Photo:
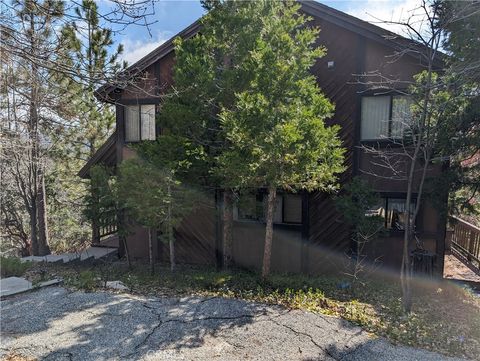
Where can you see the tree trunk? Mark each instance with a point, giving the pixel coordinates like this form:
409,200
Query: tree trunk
95,219
171,241
227,229
33,133
171,244
267,253
123,239
150,251
405,271
43,247
33,227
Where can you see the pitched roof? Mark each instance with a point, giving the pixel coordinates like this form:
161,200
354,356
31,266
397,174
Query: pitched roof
105,154
149,59
312,8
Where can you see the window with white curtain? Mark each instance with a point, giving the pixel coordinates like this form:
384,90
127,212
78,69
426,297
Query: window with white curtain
401,115
384,116
147,116
139,122
375,117
132,124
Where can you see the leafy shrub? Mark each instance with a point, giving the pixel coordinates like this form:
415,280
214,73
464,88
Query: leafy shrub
12,266
87,280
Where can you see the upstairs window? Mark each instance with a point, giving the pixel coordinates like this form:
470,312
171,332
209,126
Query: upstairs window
139,122
384,117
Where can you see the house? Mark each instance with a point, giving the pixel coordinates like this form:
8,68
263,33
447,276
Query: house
309,234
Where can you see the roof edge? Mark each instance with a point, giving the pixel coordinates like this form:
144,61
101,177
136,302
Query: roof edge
104,148
311,7
156,54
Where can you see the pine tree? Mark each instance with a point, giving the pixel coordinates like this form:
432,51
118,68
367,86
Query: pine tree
154,199
34,107
89,45
276,132
207,75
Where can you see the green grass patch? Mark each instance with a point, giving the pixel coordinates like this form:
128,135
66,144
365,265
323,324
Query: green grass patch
11,266
445,317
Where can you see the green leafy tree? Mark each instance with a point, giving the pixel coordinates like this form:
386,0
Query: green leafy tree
356,203
91,62
155,199
207,75
459,22
108,204
276,132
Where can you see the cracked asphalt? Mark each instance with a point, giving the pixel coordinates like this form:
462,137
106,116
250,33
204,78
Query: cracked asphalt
57,324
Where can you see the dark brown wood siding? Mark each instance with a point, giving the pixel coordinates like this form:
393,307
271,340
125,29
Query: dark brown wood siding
327,236
345,49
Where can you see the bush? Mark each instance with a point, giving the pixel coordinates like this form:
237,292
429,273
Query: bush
12,266
87,280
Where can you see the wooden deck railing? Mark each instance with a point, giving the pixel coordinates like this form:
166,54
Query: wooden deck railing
105,226
466,241
108,225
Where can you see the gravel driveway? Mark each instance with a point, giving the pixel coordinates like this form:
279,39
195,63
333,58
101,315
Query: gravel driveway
56,324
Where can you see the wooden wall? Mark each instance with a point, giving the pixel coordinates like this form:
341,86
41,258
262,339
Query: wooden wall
328,237
353,55
345,49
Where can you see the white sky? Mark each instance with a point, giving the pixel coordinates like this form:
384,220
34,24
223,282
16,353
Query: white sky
173,16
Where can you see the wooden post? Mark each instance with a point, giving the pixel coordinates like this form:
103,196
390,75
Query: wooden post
305,232
471,244
150,251
95,233
218,230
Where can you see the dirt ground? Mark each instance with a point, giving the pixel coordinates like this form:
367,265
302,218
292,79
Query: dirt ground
456,270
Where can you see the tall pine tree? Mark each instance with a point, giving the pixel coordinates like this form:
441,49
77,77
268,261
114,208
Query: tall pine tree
207,75
251,56
276,132
94,63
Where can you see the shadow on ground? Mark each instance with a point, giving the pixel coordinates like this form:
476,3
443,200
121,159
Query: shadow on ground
56,323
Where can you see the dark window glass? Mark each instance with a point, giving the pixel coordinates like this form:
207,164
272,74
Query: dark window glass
393,211
253,207
292,208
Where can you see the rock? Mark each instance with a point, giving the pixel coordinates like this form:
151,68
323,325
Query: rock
116,285
14,285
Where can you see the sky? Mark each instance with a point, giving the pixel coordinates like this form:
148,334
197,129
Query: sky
170,17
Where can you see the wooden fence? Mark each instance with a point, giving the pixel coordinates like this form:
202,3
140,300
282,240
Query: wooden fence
106,225
466,241
109,226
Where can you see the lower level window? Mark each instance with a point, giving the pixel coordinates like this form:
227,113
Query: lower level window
253,207
393,211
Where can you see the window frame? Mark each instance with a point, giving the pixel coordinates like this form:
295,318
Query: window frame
139,111
388,138
260,197
384,197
